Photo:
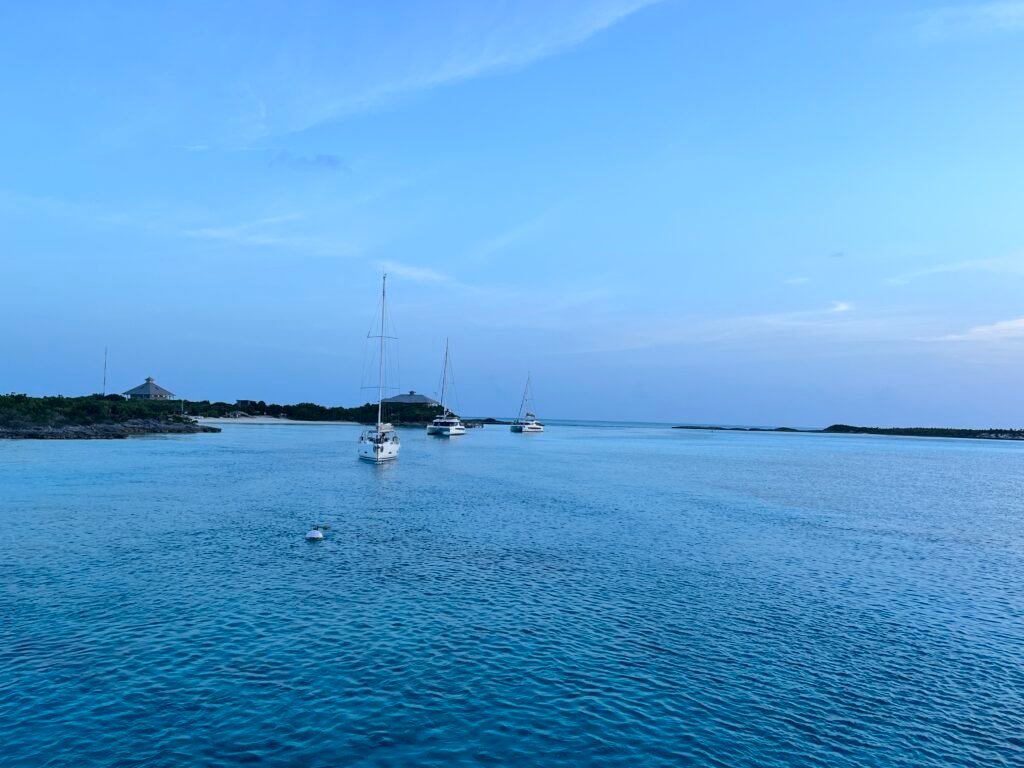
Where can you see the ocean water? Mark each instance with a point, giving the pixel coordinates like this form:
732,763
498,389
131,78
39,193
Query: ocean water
599,596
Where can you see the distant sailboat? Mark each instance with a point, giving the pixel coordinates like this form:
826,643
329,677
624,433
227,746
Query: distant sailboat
447,424
380,443
526,421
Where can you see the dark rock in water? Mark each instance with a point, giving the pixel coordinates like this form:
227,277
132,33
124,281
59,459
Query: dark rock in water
131,428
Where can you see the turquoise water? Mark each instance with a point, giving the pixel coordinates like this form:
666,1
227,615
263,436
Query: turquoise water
591,596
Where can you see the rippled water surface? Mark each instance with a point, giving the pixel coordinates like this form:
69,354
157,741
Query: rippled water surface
590,596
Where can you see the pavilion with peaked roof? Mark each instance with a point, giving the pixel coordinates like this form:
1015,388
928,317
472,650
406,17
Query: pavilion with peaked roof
412,398
149,390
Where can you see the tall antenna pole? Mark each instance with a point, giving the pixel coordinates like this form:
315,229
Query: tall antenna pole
380,372
104,371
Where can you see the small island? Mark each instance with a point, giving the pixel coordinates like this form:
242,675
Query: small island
846,429
97,417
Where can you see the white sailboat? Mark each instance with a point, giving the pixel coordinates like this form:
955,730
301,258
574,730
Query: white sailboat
381,443
526,421
447,424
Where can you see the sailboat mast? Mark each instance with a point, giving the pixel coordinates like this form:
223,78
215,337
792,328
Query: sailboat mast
522,404
444,379
104,371
380,372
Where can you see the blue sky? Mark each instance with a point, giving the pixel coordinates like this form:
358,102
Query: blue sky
788,213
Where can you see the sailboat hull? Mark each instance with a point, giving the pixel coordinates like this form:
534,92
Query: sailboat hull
378,459
379,445
378,454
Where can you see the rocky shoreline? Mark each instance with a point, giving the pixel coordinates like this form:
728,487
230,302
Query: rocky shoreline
130,428
846,429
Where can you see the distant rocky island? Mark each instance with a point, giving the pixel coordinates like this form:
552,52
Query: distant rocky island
846,429
103,431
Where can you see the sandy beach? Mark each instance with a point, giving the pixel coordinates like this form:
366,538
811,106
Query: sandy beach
265,420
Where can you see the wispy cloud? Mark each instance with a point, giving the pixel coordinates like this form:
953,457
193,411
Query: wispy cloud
462,292
1004,330
250,233
508,43
63,210
322,161
838,321
1007,265
266,233
416,274
294,74
798,280
510,237
959,20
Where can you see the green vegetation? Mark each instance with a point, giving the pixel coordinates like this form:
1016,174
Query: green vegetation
18,411
24,411
361,414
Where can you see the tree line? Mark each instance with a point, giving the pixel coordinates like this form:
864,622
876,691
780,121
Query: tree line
22,410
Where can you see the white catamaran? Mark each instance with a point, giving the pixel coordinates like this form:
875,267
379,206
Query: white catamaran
447,424
380,443
526,421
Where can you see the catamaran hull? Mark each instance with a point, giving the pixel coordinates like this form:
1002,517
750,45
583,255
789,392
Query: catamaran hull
446,431
521,428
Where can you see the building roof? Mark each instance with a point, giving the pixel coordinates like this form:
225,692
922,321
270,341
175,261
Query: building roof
151,388
412,398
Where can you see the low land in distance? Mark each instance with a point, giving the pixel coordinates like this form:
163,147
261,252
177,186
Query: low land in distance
846,429
93,417
113,416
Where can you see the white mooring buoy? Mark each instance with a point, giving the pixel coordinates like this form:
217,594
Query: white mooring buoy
315,534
